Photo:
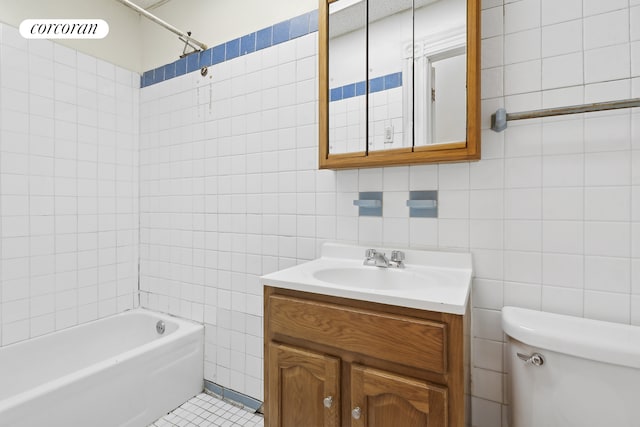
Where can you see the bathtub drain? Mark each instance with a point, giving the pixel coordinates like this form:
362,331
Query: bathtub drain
160,327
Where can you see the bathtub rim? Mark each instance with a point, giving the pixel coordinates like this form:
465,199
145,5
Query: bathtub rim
49,386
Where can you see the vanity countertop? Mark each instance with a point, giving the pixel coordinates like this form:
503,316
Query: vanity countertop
430,280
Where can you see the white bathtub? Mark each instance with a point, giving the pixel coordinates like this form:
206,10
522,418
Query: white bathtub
117,371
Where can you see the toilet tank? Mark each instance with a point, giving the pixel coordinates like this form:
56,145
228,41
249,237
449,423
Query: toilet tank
589,375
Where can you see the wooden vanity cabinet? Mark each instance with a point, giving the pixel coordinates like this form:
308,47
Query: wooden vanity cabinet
333,361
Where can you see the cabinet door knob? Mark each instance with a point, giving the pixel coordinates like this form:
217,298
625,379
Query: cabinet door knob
355,413
328,401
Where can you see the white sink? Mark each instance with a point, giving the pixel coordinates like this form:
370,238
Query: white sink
438,281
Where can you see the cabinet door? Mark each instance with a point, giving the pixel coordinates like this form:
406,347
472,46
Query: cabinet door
304,388
380,398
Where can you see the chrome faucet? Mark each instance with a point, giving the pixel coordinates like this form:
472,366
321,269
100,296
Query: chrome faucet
379,259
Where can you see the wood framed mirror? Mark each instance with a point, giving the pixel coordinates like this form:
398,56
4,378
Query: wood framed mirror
399,82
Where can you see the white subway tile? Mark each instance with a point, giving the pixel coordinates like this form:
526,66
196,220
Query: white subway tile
453,233
563,270
487,384
607,239
567,10
607,63
607,204
563,237
635,310
492,144
423,232
492,52
563,301
606,29
487,174
562,38
635,239
492,82
607,132
486,204
453,204
487,294
635,167
523,203
524,267
562,71
563,203
396,231
523,77
635,276
523,295
523,172
608,274
635,203
592,7
492,22
370,230
396,178
453,176
347,228
523,235
485,413
486,234
395,204
524,140
15,332
488,264
487,325
607,306
611,168
634,19
607,91
522,46
521,15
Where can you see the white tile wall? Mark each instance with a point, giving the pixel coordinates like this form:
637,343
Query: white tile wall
582,185
231,190
68,187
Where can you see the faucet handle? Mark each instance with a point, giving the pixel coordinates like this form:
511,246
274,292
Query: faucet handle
370,253
398,258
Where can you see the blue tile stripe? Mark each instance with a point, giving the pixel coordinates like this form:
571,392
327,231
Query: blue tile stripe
378,84
278,33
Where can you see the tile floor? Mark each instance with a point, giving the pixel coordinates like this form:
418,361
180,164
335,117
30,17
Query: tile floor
205,410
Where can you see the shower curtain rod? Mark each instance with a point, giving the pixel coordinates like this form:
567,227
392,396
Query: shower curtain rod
159,21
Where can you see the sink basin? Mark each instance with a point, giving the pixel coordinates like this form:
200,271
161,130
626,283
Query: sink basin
367,277
438,281
410,279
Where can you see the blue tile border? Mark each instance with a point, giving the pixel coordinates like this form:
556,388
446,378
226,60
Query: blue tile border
377,84
270,36
228,394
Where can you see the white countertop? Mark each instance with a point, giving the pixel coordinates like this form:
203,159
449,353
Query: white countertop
431,280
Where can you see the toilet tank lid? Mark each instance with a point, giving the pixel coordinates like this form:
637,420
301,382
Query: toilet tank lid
606,342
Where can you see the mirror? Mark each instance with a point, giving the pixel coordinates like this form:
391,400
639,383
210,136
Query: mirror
399,82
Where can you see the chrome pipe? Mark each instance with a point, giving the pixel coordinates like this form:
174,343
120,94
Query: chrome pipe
162,23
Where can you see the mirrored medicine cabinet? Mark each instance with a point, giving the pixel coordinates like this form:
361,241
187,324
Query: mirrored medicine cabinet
399,82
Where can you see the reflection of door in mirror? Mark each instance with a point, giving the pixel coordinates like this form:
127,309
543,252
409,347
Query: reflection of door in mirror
448,100
347,76
440,65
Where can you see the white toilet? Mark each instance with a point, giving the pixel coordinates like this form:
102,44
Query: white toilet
571,372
